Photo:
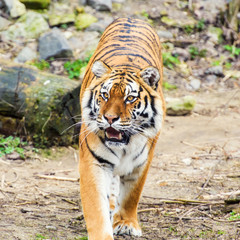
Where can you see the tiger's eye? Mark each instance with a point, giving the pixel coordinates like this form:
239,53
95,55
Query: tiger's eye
130,98
105,95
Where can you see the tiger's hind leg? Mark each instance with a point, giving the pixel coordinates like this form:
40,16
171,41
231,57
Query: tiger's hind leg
125,220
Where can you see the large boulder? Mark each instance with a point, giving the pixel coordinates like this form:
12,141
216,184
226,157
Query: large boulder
41,105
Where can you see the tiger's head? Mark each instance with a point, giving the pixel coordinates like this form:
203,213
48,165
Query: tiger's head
122,103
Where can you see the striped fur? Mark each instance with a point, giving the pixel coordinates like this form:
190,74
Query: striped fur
122,113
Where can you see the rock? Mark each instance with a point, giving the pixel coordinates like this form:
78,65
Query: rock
180,106
154,13
43,104
215,34
14,156
84,43
30,25
55,19
165,34
101,25
215,70
54,44
84,20
182,53
187,161
100,5
179,19
210,80
17,9
8,4
195,84
170,22
209,10
26,54
60,13
52,228
4,23
36,4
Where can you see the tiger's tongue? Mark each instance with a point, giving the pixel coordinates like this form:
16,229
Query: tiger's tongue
113,133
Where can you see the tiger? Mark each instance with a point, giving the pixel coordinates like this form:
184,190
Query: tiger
123,110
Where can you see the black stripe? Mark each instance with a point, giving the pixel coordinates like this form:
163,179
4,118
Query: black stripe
139,153
130,54
98,158
108,147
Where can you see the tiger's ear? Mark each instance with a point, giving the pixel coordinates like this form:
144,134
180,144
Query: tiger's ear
99,68
151,76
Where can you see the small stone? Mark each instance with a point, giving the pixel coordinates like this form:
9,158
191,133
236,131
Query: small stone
187,161
54,44
165,34
215,34
215,70
154,13
182,53
170,22
13,156
26,54
195,84
53,228
18,9
210,79
180,106
101,5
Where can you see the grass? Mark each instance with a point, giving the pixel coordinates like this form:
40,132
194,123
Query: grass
234,216
75,68
168,86
169,61
195,52
235,51
41,65
199,26
10,145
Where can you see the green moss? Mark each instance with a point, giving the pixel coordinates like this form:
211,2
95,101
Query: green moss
36,4
84,20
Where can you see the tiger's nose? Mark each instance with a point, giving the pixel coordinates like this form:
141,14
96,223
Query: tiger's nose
111,118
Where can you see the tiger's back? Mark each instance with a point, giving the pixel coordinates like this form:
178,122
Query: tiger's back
127,43
122,109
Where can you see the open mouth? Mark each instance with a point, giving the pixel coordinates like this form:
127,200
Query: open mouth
112,135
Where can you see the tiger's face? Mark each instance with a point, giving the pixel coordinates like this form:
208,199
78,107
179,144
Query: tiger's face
122,104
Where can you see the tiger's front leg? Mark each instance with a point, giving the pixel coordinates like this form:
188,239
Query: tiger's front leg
125,219
95,182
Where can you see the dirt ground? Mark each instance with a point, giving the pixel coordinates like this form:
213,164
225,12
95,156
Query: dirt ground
195,168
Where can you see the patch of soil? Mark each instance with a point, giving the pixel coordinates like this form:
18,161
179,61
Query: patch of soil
196,166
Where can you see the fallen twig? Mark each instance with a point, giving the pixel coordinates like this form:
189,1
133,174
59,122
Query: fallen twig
58,178
148,210
221,195
211,174
183,201
69,201
194,145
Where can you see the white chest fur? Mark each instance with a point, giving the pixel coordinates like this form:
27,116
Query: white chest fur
134,155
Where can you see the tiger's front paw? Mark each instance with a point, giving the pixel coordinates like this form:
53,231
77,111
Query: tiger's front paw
127,227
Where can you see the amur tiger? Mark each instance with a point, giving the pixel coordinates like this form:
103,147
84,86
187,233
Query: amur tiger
122,109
